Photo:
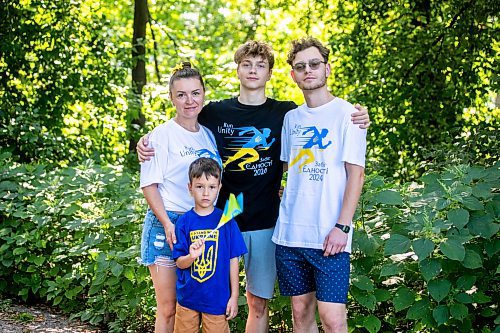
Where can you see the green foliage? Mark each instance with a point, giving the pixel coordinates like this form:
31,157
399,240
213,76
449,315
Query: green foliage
429,260
59,93
70,236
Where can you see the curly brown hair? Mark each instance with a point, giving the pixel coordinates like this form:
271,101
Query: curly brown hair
305,43
254,48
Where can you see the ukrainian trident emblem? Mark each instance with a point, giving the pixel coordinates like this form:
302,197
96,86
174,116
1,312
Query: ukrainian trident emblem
203,267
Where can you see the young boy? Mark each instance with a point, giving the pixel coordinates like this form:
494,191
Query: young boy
207,269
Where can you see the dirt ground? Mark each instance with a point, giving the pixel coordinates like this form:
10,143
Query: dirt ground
19,318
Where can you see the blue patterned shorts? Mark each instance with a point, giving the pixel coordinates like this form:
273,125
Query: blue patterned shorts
302,270
154,245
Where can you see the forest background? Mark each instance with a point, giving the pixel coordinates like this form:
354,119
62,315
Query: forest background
81,81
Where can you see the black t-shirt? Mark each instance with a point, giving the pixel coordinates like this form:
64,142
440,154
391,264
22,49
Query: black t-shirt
248,138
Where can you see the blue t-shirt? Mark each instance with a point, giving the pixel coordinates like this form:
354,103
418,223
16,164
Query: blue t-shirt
205,286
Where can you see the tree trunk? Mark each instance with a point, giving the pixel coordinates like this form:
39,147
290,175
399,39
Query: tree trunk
137,119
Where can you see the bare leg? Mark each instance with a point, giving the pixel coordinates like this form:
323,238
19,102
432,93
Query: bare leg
304,313
258,314
333,317
164,282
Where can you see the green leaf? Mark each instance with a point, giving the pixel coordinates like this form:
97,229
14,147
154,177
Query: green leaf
419,309
390,270
397,244
116,268
458,217
453,249
382,295
472,260
423,247
441,314
430,268
18,251
464,298
439,289
363,298
39,260
482,190
472,203
389,197
403,298
480,297
372,324
465,282
459,311
363,282
483,226
366,243
71,209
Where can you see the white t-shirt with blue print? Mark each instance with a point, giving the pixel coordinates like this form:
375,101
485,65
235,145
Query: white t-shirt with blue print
316,142
175,149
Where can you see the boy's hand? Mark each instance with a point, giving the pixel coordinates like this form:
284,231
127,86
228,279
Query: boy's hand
361,118
232,308
144,153
197,248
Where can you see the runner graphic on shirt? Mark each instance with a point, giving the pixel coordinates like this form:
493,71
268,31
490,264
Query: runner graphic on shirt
249,145
210,154
316,138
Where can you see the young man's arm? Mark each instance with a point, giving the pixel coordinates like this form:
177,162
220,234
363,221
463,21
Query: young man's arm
155,202
144,153
336,240
195,250
232,304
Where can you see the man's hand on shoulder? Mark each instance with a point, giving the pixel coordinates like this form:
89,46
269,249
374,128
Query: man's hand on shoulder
361,117
144,153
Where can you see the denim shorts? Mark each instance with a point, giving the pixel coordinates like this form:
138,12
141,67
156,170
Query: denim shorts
154,245
303,270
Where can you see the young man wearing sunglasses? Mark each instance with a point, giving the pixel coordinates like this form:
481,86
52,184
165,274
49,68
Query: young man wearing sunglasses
247,130
325,157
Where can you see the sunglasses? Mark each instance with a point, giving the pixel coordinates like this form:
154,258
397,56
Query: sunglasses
313,64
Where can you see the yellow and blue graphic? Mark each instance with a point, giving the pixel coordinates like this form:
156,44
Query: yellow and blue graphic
204,266
311,139
247,145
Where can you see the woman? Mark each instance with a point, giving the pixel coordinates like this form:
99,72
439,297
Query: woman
164,179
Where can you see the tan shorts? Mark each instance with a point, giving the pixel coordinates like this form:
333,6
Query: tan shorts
188,321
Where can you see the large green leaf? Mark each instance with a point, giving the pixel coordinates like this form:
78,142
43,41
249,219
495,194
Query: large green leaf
472,259
453,249
423,247
403,298
364,298
483,225
459,311
389,197
390,269
397,244
441,314
439,289
372,324
465,282
418,310
363,282
458,217
430,268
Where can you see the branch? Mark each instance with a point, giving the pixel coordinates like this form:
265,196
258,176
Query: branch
437,40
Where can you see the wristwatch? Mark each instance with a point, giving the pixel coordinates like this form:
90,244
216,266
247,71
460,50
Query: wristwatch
343,227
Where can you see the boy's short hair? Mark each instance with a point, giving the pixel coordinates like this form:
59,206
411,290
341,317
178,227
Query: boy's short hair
305,43
204,166
254,48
